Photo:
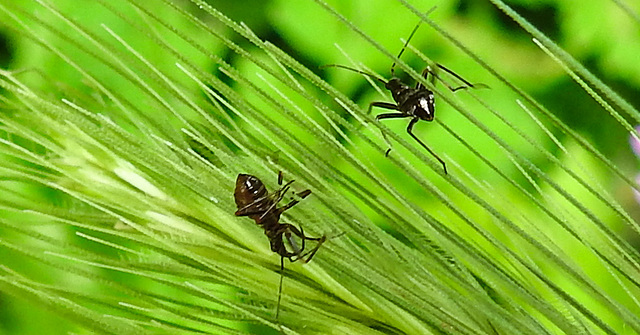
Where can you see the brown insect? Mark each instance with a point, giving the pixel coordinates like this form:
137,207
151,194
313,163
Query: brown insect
253,200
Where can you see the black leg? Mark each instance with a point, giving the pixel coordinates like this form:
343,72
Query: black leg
301,234
453,89
304,194
280,289
381,104
244,211
279,194
389,116
313,251
292,203
285,230
250,208
409,130
425,74
288,229
385,105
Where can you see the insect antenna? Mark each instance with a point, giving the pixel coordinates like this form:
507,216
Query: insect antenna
409,39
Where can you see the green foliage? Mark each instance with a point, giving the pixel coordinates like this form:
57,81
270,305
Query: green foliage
125,123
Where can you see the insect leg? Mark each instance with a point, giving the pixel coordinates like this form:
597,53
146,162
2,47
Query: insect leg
409,130
388,116
320,240
253,207
286,229
312,252
302,195
385,105
391,116
425,74
248,210
453,89
278,195
280,289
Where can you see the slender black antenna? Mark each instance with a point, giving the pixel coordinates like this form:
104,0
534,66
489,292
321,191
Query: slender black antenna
409,39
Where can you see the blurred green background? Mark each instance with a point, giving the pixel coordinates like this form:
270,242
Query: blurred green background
599,34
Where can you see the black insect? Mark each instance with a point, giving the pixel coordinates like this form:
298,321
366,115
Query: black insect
416,103
253,200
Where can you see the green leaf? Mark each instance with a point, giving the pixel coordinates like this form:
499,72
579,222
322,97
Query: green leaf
125,123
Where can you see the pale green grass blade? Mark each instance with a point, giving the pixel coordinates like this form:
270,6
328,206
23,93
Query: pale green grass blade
151,180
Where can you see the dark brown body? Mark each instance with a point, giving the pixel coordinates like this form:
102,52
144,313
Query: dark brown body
253,200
